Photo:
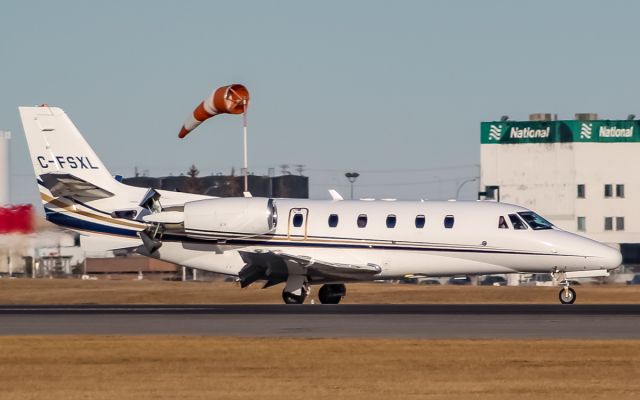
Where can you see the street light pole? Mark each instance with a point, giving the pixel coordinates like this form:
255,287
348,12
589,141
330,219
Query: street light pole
464,183
352,176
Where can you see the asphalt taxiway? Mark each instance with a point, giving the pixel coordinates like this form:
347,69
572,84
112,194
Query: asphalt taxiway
393,321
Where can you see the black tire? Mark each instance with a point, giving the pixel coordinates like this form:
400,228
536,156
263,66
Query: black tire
570,298
332,294
290,298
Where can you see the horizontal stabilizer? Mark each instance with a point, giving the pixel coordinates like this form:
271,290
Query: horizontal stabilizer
68,185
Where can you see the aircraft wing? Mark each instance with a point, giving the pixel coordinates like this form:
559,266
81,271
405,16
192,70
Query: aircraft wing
68,185
275,267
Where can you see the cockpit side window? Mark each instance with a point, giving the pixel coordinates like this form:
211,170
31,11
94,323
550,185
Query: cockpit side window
517,223
502,223
535,221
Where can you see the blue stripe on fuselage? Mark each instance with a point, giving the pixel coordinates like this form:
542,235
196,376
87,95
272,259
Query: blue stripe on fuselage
70,222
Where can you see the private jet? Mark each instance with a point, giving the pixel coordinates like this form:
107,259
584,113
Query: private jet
297,242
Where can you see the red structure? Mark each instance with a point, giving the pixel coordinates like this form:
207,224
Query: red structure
16,219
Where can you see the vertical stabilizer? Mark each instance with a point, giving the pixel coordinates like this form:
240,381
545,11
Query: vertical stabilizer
56,146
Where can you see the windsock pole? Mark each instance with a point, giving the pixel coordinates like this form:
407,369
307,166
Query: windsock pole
230,99
244,144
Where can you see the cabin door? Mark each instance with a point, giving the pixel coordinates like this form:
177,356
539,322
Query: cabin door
298,223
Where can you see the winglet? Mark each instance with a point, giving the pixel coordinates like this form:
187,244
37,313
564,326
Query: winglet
335,195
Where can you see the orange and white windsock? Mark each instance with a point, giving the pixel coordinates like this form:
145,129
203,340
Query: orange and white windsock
232,99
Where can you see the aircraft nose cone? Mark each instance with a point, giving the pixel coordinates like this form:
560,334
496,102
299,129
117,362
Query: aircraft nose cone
609,257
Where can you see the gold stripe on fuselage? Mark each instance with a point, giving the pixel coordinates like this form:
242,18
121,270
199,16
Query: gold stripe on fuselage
73,210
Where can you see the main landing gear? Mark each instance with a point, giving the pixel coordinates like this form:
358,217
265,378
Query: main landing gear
332,293
297,290
293,298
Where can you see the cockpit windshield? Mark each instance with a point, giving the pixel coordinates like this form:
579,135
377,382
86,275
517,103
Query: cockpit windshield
517,223
535,221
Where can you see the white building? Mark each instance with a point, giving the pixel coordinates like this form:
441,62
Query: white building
583,175
51,251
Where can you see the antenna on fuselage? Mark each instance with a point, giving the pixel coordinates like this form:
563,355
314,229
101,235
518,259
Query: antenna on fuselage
335,195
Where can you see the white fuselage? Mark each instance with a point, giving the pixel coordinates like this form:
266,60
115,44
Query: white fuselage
473,245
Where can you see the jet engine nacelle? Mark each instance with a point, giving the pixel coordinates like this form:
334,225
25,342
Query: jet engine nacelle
241,216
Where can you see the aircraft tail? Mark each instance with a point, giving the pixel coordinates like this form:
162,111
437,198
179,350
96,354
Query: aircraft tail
59,151
76,189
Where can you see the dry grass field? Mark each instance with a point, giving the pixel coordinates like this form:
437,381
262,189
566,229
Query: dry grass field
73,291
174,367
161,367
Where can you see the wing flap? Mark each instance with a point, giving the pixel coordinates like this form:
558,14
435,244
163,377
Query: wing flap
322,267
276,266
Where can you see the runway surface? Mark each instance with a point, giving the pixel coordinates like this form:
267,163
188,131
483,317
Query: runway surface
393,321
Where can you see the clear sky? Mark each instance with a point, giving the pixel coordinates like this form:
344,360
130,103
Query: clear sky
393,89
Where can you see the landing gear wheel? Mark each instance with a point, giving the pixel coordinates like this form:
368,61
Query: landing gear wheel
290,298
332,294
567,295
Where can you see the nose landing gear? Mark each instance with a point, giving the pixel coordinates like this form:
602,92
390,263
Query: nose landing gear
567,294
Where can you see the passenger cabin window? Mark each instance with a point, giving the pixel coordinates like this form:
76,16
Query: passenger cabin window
502,223
333,220
448,221
391,221
517,222
298,219
362,220
420,221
